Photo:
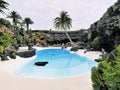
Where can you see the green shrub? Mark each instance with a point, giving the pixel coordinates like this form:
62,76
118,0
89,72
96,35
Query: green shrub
5,22
1,49
20,39
106,75
6,40
112,75
95,43
40,33
33,37
97,78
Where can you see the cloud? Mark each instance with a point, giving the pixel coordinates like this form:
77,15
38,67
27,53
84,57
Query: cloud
42,12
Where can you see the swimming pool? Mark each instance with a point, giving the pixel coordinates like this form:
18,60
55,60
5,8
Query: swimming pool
61,63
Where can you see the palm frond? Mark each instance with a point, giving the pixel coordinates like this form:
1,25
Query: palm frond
63,21
3,5
15,16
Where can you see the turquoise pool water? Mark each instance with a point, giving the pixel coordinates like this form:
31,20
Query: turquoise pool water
61,63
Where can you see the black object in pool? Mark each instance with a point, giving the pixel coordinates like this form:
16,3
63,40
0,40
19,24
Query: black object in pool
41,63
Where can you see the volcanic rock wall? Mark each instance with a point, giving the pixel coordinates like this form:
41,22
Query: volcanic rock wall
59,37
108,28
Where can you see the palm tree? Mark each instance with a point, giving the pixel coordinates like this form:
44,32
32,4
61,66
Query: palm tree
63,22
15,17
28,21
3,5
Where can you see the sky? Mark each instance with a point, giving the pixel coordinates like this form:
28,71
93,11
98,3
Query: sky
43,12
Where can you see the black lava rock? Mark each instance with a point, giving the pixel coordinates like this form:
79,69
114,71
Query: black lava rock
41,63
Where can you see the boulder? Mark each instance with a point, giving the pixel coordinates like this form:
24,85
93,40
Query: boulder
74,48
3,57
13,55
26,54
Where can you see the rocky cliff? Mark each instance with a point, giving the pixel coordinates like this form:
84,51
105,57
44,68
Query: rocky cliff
108,28
59,37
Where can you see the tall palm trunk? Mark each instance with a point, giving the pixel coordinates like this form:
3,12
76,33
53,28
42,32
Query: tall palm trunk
68,37
27,27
